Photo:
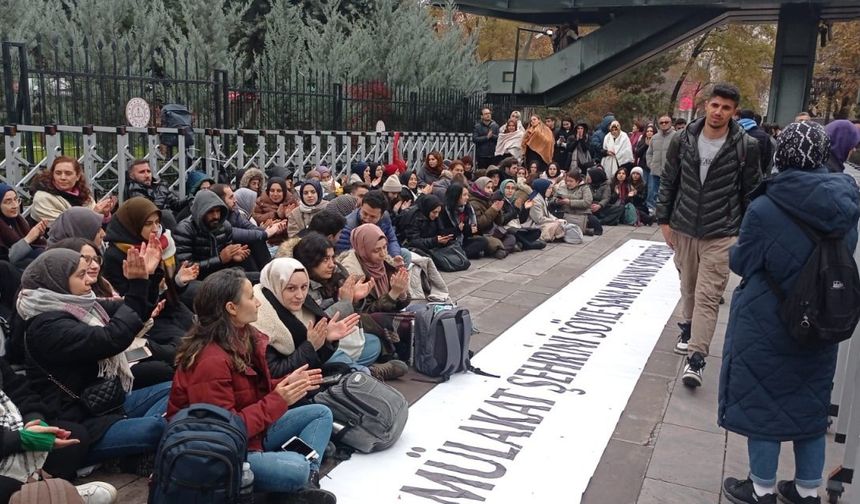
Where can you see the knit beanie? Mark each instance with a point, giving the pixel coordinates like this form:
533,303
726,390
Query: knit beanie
392,184
638,169
803,146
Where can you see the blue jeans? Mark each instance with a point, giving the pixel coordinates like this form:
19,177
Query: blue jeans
370,352
140,431
808,461
653,189
282,471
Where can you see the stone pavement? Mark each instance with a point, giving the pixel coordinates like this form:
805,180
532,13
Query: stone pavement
666,447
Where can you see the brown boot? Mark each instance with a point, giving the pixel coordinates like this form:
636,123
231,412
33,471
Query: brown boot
391,370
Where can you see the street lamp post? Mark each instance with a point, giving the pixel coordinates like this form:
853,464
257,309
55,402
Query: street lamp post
547,32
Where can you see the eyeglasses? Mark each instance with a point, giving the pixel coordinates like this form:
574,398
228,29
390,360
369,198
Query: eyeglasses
664,122
92,259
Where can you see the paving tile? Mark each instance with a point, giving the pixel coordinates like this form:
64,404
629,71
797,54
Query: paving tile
463,286
496,289
499,317
474,304
537,266
532,286
559,276
662,492
688,457
697,408
621,462
663,363
526,299
644,410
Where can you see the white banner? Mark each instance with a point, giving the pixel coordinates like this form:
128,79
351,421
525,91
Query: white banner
536,434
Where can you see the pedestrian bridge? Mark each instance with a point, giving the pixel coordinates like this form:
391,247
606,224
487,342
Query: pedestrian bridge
633,31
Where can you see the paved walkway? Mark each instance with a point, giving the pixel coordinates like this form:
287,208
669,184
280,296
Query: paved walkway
666,448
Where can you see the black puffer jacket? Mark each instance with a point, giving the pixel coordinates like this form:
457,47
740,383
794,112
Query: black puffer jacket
197,243
157,193
713,209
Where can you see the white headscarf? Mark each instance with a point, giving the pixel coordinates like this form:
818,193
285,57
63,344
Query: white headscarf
276,275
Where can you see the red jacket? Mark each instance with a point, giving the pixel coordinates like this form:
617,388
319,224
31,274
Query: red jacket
213,380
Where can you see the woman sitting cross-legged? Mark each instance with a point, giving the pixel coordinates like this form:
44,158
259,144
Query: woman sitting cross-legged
75,350
222,361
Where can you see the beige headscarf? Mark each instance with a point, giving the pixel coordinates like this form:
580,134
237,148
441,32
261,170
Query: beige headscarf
275,277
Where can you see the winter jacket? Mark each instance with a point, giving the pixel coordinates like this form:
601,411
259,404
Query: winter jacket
485,213
656,155
70,350
353,220
249,394
196,242
640,154
48,204
597,137
600,190
157,193
580,198
373,303
771,387
420,232
243,230
765,148
251,173
713,209
271,322
485,147
266,210
298,221
578,151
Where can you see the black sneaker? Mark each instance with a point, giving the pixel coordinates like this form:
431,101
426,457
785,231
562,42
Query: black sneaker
692,376
742,492
683,339
787,491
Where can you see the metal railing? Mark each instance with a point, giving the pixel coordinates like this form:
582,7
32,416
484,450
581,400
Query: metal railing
105,153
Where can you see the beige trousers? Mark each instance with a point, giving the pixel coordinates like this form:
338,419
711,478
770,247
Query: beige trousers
703,265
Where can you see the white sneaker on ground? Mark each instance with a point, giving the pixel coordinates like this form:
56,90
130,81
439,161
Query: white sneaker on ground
97,492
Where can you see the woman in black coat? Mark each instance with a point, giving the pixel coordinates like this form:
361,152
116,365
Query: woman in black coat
460,220
136,222
75,341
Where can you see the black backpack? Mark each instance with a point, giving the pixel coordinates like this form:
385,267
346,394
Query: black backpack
200,457
823,305
175,115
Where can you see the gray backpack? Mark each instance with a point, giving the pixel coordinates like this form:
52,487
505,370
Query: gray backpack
441,340
369,415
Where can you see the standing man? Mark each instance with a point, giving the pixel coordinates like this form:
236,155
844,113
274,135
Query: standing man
485,136
711,168
750,122
657,157
680,124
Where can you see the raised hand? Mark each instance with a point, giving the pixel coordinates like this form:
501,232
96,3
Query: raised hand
346,292
151,252
134,266
293,392
188,272
339,329
399,284
36,231
317,333
157,310
276,228
362,289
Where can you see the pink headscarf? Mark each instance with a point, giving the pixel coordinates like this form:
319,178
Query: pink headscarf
364,239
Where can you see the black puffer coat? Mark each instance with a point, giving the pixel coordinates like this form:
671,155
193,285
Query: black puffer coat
713,209
157,193
197,243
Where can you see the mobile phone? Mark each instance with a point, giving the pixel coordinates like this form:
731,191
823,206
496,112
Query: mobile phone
138,354
295,444
331,379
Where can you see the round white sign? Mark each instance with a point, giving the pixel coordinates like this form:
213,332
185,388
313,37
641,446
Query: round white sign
137,113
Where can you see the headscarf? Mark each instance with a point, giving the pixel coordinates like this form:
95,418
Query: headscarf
289,196
277,273
428,203
132,215
358,169
78,222
13,229
502,187
541,140
479,185
304,207
245,200
194,179
844,136
803,146
363,240
45,288
540,186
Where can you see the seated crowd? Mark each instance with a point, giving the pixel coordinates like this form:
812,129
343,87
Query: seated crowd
243,297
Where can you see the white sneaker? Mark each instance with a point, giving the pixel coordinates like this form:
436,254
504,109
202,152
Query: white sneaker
97,492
